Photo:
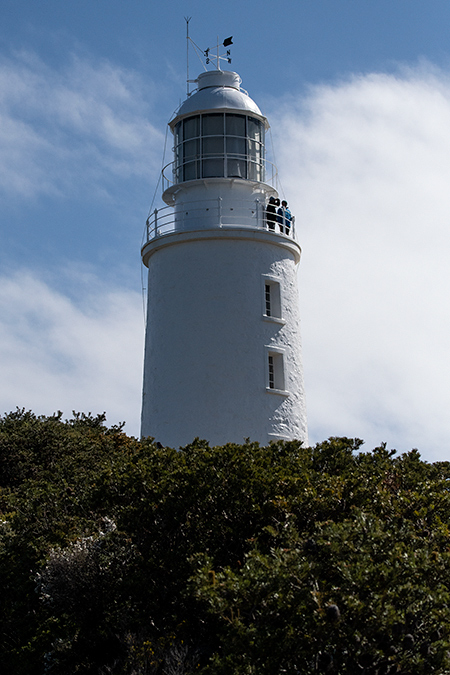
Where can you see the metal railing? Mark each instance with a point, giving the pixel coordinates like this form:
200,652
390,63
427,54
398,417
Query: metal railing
211,214
264,167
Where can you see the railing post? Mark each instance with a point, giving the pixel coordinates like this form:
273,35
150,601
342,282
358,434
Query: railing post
155,212
219,199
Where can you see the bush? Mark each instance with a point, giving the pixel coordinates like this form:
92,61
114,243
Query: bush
119,556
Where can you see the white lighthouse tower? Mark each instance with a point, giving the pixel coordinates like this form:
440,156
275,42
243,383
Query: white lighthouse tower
222,351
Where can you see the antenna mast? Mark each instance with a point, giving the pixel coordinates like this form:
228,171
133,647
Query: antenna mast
187,19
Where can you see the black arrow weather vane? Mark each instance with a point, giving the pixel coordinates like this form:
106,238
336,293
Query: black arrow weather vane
226,43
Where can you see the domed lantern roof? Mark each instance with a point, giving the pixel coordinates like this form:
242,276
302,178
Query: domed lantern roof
219,133
218,90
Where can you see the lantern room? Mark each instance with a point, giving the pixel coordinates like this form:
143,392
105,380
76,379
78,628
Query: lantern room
219,132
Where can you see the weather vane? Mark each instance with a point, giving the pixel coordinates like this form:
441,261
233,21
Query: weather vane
218,58
207,53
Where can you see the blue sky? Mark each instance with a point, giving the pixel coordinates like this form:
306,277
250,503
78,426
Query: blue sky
358,96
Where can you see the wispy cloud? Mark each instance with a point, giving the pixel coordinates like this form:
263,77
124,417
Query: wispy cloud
60,353
366,165
73,129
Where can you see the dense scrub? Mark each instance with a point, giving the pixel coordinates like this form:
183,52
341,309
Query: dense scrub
119,556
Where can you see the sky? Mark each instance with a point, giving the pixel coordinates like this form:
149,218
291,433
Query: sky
357,93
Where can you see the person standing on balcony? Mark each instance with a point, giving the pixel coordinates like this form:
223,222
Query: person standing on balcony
271,214
284,217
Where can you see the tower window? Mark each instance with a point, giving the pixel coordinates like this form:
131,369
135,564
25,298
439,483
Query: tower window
268,300
272,298
275,370
271,373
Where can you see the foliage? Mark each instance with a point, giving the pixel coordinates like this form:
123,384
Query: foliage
119,556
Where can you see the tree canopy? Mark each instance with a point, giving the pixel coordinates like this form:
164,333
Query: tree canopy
121,556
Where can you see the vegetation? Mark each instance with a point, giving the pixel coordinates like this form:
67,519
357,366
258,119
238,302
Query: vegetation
119,556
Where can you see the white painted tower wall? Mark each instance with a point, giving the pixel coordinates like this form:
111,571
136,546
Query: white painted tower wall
209,342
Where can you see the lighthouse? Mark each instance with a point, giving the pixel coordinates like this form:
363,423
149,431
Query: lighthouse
222,349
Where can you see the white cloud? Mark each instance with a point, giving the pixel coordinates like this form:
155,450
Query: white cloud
57,353
366,167
72,129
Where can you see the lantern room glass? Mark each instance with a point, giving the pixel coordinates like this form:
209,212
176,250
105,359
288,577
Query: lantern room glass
218,145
